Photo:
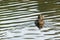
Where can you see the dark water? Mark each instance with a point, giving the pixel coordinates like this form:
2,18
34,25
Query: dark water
17,20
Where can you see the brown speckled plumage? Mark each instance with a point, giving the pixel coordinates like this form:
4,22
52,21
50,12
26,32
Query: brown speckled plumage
40,21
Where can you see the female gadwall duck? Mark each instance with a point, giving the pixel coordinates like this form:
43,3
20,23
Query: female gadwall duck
40,21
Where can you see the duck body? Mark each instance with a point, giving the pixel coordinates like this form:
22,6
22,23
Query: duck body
40,22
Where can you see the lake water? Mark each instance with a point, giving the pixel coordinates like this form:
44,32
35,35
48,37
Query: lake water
17,20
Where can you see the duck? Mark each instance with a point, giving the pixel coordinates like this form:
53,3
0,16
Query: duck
40,21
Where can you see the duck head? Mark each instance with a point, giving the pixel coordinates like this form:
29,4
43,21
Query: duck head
40,17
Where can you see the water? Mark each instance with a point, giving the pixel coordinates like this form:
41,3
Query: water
17,20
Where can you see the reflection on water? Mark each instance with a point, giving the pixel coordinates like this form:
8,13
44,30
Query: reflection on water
17,20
